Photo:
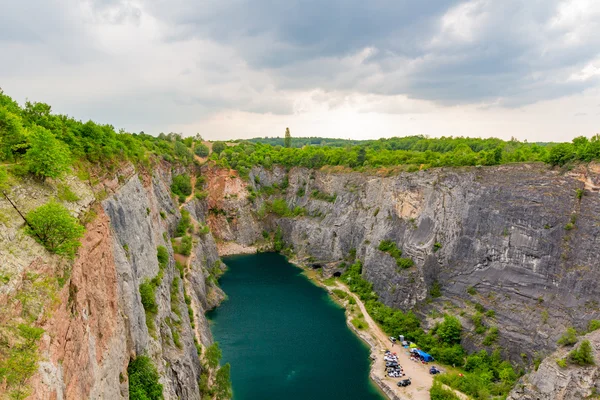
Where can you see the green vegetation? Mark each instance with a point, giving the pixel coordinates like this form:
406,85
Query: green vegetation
561,362
185,223
47,156
491,337
218,147
437,392
18,361
213,355
181,186
392,249
471,290
593,325
436,246
223,382
583,355
53,226
143,380
484,374
148,289
436,290
46,143
278,242
316,194
201,150
64,193
569,338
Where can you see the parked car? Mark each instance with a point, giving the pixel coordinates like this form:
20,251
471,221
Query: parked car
404,382
392,339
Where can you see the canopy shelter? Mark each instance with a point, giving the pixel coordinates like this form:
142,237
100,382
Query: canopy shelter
424,356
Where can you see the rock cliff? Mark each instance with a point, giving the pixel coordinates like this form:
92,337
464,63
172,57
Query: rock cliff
519,240
99,322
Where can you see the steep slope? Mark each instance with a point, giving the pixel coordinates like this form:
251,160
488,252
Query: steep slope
97,323
520,240
553,382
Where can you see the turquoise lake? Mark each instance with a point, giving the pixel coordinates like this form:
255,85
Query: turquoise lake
284,337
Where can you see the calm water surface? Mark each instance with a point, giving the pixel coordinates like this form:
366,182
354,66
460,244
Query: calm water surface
284,337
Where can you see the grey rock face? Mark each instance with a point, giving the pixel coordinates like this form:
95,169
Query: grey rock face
518,237
552,382
139,228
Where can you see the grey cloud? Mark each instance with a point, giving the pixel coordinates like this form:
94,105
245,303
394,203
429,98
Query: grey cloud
516,55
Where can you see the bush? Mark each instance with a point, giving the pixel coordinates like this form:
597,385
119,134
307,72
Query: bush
583,355
491,337
143,380
593,325
569,338
437,392
561,362
201,150
182,185
184,223
53,226
450,330
218,147
436,290
162,254
392,249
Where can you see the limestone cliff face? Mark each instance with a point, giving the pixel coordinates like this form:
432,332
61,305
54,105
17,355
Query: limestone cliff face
552,382
101,322
516,239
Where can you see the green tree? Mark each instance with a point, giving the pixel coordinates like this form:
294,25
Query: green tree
47,157
213,355
450,330
288,138
583,355
218,147
143,380
201,150
53,226
223,382
12,139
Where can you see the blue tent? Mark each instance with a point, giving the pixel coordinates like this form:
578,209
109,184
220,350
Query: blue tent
426,357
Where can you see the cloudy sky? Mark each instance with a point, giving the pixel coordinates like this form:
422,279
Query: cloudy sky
335,68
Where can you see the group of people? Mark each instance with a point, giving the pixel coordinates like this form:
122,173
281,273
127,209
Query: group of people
392,367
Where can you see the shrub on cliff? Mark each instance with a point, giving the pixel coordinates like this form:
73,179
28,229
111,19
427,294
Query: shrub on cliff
583,355
201,150
182,186
143,380
450,330
569,338
53,226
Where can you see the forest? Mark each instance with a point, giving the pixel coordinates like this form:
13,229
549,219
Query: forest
46,144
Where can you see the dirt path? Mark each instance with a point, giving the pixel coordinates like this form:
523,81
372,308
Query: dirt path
417,372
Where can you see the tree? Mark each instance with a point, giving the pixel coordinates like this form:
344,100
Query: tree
47,157
218,147
143,380
223,382
583,355
362,156
288,138
53,226
201,150
213,355
450,330
12,139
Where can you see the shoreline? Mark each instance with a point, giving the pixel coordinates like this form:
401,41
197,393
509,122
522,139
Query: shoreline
366,336
372,336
